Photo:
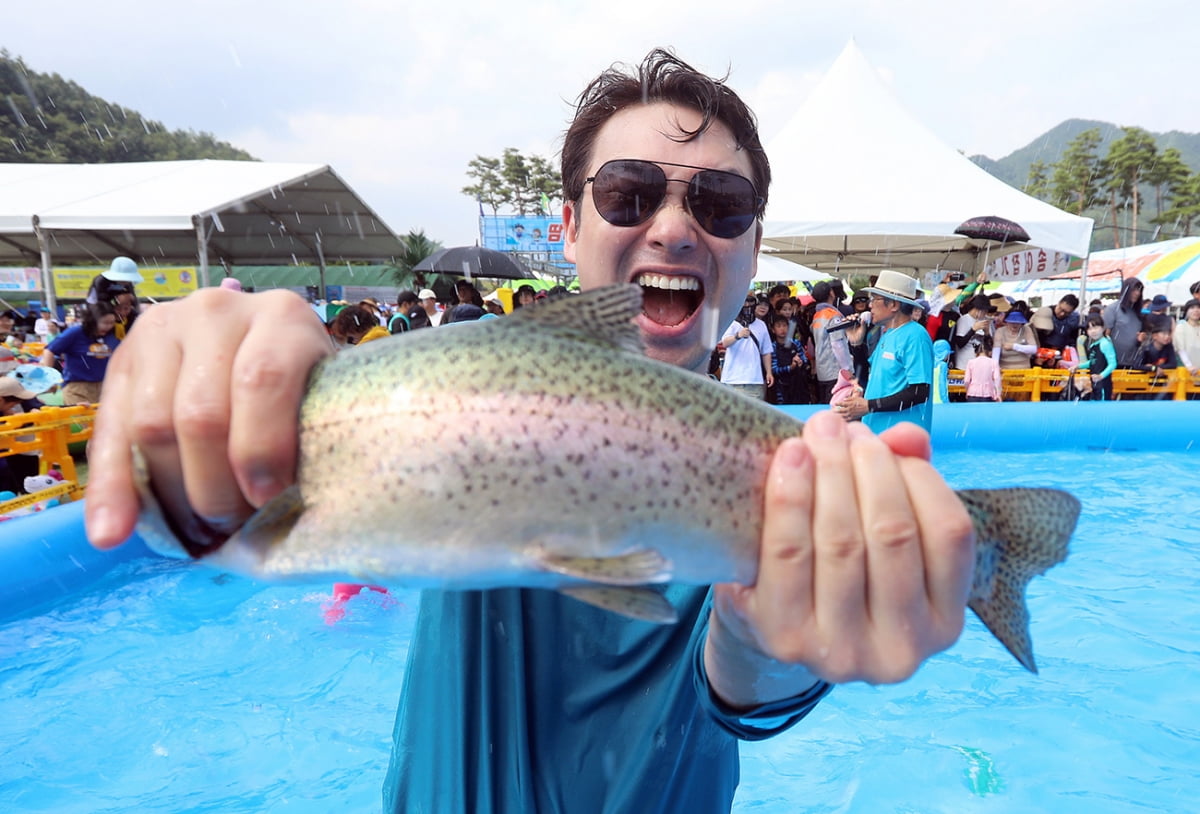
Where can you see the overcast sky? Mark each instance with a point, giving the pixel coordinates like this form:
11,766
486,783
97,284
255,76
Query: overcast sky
398,96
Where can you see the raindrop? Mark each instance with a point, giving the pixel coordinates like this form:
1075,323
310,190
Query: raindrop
12,105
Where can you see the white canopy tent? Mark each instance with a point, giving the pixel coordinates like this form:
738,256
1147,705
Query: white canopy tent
773,269
860,185
163,212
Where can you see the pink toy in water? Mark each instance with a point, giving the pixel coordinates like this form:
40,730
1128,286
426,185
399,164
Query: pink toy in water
343,592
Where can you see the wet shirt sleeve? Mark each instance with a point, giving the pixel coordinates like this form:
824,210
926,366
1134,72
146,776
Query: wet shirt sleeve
760,723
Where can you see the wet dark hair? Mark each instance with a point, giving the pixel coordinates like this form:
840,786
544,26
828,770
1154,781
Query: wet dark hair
353,319
92,314
983,343
407,296
1071,300
1094,319
661,77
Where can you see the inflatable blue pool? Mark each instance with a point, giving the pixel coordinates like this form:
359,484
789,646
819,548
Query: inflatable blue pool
46,556
218,693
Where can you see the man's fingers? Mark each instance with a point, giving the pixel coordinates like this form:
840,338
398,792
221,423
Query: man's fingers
269,377
111,507
838,545
785,572
200,419
896,593
948,537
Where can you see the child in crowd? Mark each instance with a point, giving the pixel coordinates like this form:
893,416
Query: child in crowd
982,374
789,365
1158,353
1099,360
941,372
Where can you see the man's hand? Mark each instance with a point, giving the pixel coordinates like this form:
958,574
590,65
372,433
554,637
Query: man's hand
864,571
209,388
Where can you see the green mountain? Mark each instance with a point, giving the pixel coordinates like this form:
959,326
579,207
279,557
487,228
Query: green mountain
45,118
1047,148
1013,169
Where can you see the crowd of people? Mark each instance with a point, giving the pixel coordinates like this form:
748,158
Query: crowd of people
809,349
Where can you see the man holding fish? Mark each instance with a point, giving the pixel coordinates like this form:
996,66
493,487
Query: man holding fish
519,699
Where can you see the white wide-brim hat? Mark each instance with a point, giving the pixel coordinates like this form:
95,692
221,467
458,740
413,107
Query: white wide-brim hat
895,285
123,270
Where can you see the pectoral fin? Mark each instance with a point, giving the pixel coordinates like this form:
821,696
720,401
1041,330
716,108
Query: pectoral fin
645,604
639,567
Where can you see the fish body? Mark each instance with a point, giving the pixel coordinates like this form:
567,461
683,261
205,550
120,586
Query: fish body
545,450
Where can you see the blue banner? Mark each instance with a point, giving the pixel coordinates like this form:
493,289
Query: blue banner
536,239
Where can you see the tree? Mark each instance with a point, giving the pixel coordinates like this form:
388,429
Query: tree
514,181
1075,184
489,186
1037,183
1167,175
416,248
1185,205
50,119
1129,159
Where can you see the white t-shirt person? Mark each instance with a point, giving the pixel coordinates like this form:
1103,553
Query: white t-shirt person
744,358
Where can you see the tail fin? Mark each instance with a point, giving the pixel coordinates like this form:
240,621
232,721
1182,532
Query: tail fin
1019,534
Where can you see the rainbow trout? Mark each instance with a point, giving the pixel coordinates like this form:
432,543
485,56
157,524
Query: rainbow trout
543,449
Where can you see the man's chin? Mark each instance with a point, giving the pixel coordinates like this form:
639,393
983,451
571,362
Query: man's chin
680,348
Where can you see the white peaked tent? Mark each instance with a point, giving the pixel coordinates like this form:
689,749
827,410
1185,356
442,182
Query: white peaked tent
859,185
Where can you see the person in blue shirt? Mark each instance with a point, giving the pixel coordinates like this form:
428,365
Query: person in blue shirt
83,350
901,364
519,700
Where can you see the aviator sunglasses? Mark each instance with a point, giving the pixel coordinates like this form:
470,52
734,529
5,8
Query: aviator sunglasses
627,191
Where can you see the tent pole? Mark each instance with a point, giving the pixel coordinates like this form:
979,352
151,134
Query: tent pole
321,262
47,273
201,249
1083,285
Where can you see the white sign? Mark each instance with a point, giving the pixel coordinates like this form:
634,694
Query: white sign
1028,264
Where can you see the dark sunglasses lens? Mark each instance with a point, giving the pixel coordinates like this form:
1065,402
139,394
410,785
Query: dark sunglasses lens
627,192
724,204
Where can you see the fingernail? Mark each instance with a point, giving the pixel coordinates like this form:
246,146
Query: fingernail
793,454
101,527
826,425
263,486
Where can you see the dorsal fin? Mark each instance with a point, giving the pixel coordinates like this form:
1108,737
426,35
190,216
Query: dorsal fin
603,315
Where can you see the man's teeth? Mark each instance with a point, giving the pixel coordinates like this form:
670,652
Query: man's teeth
668,283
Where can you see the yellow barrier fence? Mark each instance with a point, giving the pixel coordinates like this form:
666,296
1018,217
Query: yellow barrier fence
49,431
1036,382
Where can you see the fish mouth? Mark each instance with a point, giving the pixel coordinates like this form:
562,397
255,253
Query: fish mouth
669,299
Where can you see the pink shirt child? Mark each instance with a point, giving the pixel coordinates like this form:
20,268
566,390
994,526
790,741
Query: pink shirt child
982,378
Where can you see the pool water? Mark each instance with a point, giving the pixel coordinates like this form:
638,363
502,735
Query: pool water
168,688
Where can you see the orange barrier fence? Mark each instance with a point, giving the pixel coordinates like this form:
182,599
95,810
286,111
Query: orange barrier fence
1036,382
49,431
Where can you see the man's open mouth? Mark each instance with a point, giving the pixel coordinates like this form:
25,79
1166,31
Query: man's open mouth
667,299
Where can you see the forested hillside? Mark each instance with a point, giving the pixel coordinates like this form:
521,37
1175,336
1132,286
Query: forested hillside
46,118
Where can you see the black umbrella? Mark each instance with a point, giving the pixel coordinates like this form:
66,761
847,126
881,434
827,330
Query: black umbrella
474,261
993,228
